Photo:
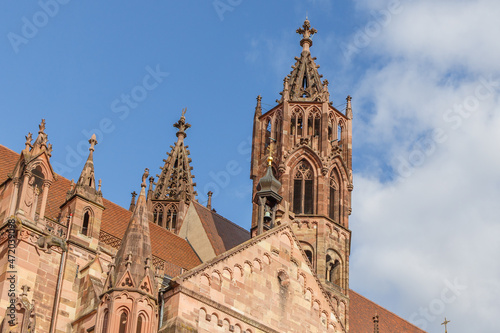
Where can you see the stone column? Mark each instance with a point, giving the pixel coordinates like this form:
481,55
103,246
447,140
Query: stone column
13,201
26,177
46,185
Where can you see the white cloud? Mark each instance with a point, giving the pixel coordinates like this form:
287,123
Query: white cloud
438,220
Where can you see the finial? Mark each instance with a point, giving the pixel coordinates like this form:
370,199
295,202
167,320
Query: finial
133,195
93,142
348,109
182,125
29,138
209,202
258,107
99,185
41,127
306,31
144,177
445,323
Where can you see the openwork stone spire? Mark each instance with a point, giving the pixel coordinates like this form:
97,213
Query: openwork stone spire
175,181
304,82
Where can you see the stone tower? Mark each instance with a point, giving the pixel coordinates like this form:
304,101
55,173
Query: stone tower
313,163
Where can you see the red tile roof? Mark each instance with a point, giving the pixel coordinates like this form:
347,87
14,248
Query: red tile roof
222,233
362,311
165,245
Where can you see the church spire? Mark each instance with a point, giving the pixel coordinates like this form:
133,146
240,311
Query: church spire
304,82
86,186
175,181
134,258
87,176
131,274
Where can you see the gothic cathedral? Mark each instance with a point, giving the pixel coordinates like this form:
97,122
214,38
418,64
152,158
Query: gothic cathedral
73,261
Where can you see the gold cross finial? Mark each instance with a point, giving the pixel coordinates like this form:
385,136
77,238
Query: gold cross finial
445,323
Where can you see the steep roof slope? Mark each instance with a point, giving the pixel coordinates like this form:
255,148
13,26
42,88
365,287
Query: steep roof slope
361,314
222,233
175,251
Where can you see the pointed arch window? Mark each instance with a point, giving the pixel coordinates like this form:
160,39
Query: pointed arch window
309,251
339,133
277,129
158,215
123,322
268,131
333,269
303,185
313,123
296,123
333,197
139,324
86,223
105,322
330,127
171,218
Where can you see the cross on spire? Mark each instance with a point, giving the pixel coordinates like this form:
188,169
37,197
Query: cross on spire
445,323
182,125
306,31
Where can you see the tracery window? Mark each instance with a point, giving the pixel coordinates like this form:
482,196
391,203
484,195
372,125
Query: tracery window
171,218
303,184
267,134
296,123
158,215
313,123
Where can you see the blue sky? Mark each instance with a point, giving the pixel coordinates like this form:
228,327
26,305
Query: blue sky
423,76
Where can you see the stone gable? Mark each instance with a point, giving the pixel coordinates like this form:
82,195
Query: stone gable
263,285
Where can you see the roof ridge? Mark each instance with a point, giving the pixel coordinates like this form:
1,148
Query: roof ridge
380,306
226,219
